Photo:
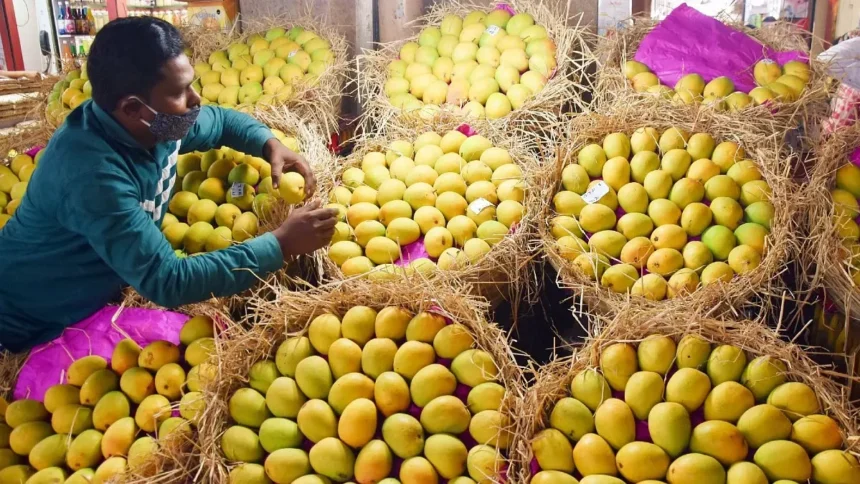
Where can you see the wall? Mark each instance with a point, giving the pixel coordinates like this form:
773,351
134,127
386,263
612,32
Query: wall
28,32
848,17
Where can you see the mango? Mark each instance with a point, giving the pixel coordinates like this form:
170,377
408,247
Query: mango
261,375
25,410
835,467
199,376
284,398
16,474
795,399
553,477
118,437
592,455
484,464
357,423
241,444
614,422
110,469
125,355
198,351
452,340
72,419
572,418
50,452
110,408
670,427
344,357
424,327
416,470
816,433
175,430
348,388
762,424
782,459
553,451
313,375
153,410
696,469
391,323
25,436
590,388
157,354
644,389
358,324
249,474
391,394
82,368
430,382
693,352
745,473
447,454
287,465
726,363
640,461
85,450
404,435
656,353
319,479
191,406
473,367
688,387
413,356
445,414
82,476
333,459
50,475
196,328
97,385
377,356
137,384
59,395
720,440
374,462
491,427
618,363
728,401
169,380
290,353
486,396
317,420
323,331
8,458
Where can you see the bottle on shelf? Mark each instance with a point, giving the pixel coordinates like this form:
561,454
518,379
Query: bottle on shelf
83,28
70,21
91,22
61,19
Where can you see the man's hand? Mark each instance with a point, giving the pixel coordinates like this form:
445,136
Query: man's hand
307,229
284,159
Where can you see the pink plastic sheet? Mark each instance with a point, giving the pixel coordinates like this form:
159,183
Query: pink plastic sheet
855,157
688,42
96,335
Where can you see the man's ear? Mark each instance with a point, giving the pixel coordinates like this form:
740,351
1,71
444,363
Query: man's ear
131,107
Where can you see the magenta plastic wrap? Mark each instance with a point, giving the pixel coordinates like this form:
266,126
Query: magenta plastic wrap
855,157
411,252
506,8
688,42
96,335
33,151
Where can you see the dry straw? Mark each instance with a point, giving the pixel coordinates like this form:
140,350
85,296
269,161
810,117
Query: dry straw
319,102
774,165
562,93
506,271
613,88
632,325
289,314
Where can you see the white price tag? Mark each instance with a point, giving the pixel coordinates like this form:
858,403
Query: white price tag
479,205
595,193
237,190
493,29
291,54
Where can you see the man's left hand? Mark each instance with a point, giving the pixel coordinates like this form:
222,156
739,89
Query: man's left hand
284,159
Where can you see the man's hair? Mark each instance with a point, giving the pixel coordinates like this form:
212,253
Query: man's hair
127,56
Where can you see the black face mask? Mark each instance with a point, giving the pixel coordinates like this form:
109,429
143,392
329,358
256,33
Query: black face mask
170,127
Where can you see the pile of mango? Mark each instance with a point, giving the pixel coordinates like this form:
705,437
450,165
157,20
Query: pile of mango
846,208
368,393
67,94
110,417
660,214
221,195
13,183
690,413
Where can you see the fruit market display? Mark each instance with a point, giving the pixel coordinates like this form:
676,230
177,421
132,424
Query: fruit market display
67,94
264,69
487,62
775,83
845,195
13,183
691,413
371,397
110,417
222,196
452,195
659,215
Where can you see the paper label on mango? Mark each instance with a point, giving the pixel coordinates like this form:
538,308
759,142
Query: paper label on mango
291,54
493,29
595,193
237,190
479,205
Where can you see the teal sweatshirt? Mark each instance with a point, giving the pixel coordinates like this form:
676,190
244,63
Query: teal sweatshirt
89,225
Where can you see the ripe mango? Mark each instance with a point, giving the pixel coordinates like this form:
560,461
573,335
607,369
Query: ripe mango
344,356
323,331
137,384
82,368
50,475
553,451
82,476
404,435
59,395
391,394
25,436
157,354
348,388
416,470
196,328
473,367
491,427
452,340
241,444
670,427
693,352
424,327
614,422
572,418
125,355
447,454
97,385
50,452
199,376
262,374
656,353
553,477
596,479
85,450
391,323
290,353
374,462
153,410
280,433
430,382
247,407
284,398
333,459
169,380
783,459
377,356
141,457
175,431
118,437
358,324
110,408
484,464
762,424
317,420
357,423
72,419
313,376
191,406
720,440
25,410
249,474
816,433
199,351
486,396
745,473
286,465
640,461
445,414
110,469
16,474
726,363
688,387
835,467
592,455
728,401
644,390
590,388
762,375
795,399
617,363
696,469
411,357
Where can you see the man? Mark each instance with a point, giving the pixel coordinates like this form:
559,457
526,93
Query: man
89,224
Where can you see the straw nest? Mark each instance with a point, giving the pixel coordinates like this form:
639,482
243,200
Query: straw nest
826,256
774,165
319,102
289,313
564,91
506,271
552,382
613,88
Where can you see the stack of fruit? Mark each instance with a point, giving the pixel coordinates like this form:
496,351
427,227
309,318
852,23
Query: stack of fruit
487,63
67,94
718,419
776,83
846,209
265,69
460,193
110,417
13,183
226,188
371,397
658,215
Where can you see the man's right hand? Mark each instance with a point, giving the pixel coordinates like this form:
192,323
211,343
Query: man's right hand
307,229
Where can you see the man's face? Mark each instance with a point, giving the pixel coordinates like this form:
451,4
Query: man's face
173,94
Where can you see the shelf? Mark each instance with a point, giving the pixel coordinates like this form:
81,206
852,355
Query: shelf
70,36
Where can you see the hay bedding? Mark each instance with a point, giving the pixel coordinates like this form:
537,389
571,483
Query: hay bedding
564,91
289,313
773,163
765,120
